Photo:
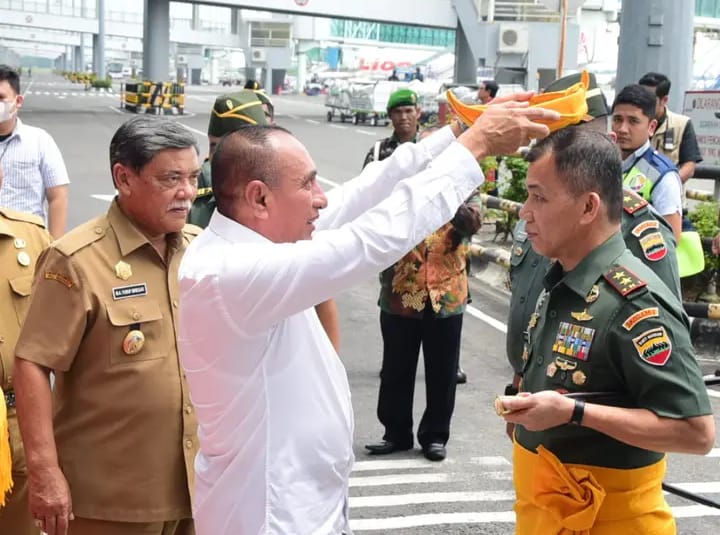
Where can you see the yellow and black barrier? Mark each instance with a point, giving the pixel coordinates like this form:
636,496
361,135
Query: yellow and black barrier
158,98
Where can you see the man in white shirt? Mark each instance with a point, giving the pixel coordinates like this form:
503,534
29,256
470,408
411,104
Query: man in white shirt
271,396
32,164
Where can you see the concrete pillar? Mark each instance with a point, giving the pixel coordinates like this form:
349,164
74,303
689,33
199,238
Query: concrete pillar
78,58
156,40
302,71
195,22
234,20
657,35
100,66
465,63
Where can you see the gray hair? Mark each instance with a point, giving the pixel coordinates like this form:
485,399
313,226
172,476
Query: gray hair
138,140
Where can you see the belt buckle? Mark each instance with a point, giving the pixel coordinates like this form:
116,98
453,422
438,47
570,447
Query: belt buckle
10,399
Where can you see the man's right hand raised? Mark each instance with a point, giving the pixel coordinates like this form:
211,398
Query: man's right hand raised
505,126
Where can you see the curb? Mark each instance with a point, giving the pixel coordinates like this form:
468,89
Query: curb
486,271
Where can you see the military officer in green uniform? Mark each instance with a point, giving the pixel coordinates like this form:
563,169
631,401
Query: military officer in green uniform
603,323
229,113
648,236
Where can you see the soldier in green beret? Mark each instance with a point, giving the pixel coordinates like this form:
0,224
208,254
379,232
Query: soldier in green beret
267,104
229,113
648,236
404,113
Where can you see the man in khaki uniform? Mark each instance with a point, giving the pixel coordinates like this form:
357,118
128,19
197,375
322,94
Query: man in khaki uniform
22,239
113,444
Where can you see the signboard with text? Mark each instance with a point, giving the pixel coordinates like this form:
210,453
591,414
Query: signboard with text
703,107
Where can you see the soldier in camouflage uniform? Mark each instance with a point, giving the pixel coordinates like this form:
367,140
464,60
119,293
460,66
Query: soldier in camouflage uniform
608,331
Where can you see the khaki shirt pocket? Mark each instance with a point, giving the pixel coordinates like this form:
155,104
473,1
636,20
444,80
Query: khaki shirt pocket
21,287
136,332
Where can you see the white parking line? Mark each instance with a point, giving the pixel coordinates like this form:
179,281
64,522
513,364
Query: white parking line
373,134
338,126
312,121
398,479
479,314
394,500
395,464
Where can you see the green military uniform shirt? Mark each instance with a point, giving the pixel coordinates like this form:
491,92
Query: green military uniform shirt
648,236
204,203
610,325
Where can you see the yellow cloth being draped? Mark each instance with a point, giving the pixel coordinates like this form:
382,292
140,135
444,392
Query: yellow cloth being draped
5,460
574,499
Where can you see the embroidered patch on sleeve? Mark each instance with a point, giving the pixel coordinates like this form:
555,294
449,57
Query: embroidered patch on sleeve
653,246
62,279
645,225
640,315
654,346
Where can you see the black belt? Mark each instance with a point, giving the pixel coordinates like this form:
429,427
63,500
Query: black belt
10,399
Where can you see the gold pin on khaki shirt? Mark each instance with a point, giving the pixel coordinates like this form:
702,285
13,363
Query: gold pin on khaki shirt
22,239
104,315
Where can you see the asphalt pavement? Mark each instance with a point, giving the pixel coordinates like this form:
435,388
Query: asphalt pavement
401,494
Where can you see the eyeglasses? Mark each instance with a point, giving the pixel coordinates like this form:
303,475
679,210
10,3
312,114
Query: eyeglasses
174,180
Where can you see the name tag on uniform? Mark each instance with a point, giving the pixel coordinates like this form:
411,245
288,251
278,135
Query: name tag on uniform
134,290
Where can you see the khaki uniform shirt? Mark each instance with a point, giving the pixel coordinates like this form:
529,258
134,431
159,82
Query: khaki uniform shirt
610,325
124,425
22,238
648,236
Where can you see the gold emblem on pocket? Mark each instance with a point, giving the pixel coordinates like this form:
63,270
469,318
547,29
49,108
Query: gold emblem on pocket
123,270
134,342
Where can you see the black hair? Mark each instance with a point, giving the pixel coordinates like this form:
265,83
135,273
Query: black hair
636,95
586,160
658,81
491,86
11,76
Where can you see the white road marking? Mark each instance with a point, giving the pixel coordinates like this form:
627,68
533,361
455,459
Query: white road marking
338,127
395,464
103,197
490,461
27,89
373,134
713,393
195,130
414,521
395,500
328,182
715,452
116,110
700,487
479,314
692,511
398,479
312,121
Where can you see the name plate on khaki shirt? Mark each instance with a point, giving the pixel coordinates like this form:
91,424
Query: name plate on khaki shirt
134,290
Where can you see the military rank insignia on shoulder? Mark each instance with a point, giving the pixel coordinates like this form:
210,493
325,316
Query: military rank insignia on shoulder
632,202
624,281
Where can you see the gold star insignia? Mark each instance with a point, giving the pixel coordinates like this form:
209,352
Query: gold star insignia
619,275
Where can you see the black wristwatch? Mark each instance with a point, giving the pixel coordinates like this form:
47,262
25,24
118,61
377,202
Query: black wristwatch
511,390
578,412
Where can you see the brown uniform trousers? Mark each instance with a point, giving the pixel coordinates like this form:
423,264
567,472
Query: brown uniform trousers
124,426
22,239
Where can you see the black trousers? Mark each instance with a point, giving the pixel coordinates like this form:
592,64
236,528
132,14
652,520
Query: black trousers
402,337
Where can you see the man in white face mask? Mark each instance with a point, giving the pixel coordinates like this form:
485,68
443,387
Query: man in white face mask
31,162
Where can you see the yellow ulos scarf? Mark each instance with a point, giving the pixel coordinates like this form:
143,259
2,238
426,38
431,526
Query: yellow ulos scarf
574,499
6,482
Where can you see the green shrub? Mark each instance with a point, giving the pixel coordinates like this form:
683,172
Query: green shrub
705,219
99,83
